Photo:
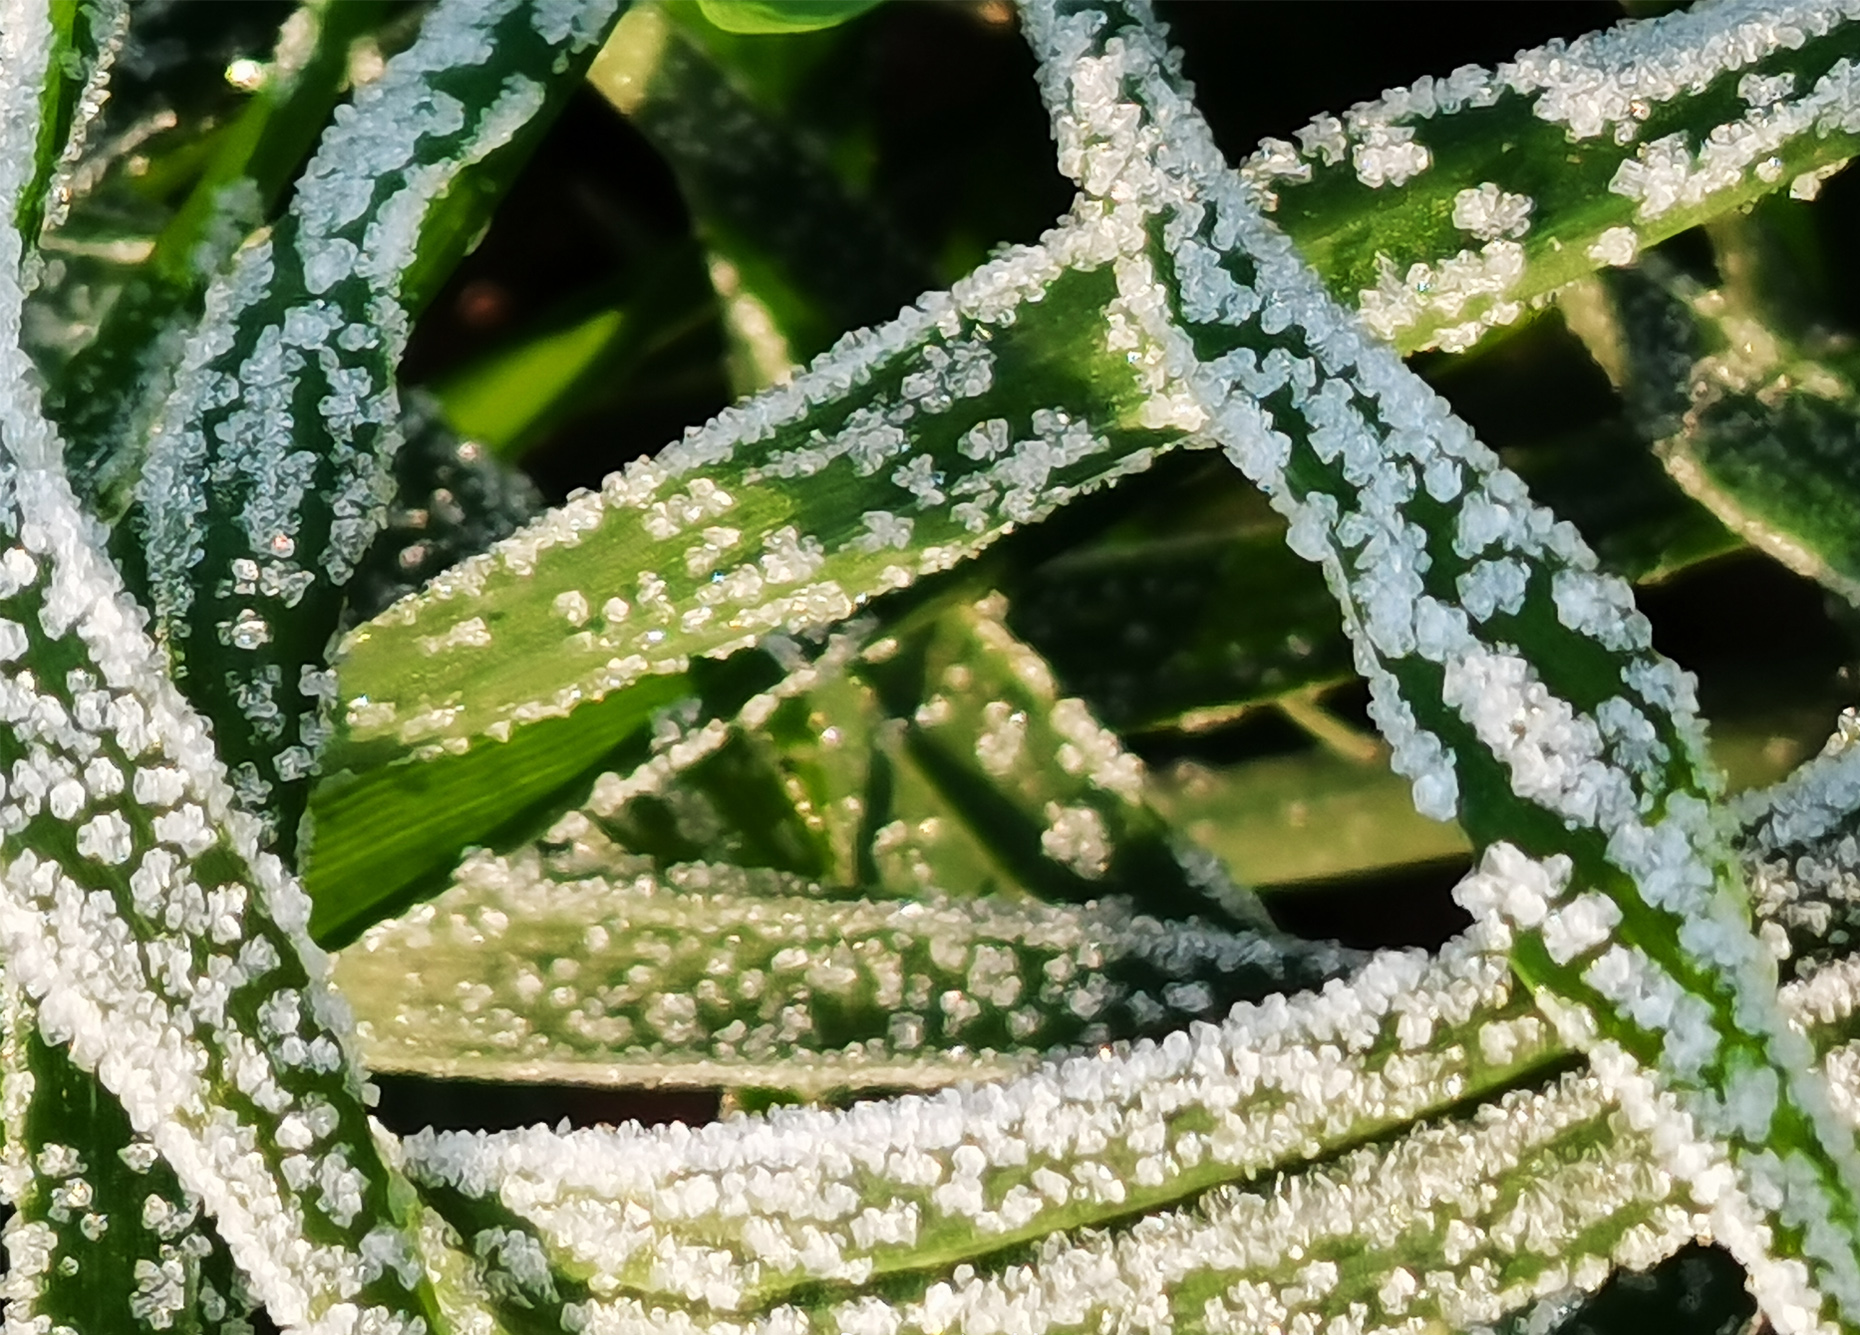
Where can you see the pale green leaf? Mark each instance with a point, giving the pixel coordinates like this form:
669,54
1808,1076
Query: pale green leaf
533,968
777,16
278,488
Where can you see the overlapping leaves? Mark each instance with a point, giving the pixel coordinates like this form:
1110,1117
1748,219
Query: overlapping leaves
645,667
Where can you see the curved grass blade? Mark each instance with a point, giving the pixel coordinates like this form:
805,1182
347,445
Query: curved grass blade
964,1173
74,81
697,977
1516,686
105,397
101,1236
1307,1069
1535,1194
1445,208
1755,422
269,473
813,258
136,912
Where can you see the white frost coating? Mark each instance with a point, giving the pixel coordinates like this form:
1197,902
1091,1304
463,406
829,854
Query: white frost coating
139,985
1668,173
547,997
1389,155
1076,838
353,229
1489,212
1260,1087
1122,105
1619,246
1446,290
575,24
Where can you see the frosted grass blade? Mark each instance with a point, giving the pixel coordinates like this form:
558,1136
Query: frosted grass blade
161,945
1447,207
73,69
1803,845
269,471
138,915
1538,1193
995,383
1756,421
968,1172
1516,686
105,397
706,976
101,1237
606,607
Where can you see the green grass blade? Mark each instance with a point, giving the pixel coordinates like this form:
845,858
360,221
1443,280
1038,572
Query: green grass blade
104,397
524,970
268,476
76,45
102,1236
813,256
1447,207
1515,685
1755,422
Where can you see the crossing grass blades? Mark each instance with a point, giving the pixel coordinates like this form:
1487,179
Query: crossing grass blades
758,768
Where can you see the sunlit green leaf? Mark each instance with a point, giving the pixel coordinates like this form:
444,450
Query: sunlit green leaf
775,16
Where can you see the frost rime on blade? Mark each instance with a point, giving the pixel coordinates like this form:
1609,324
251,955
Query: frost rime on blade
1544,720
686,978
1543,1193
272,466
136,908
